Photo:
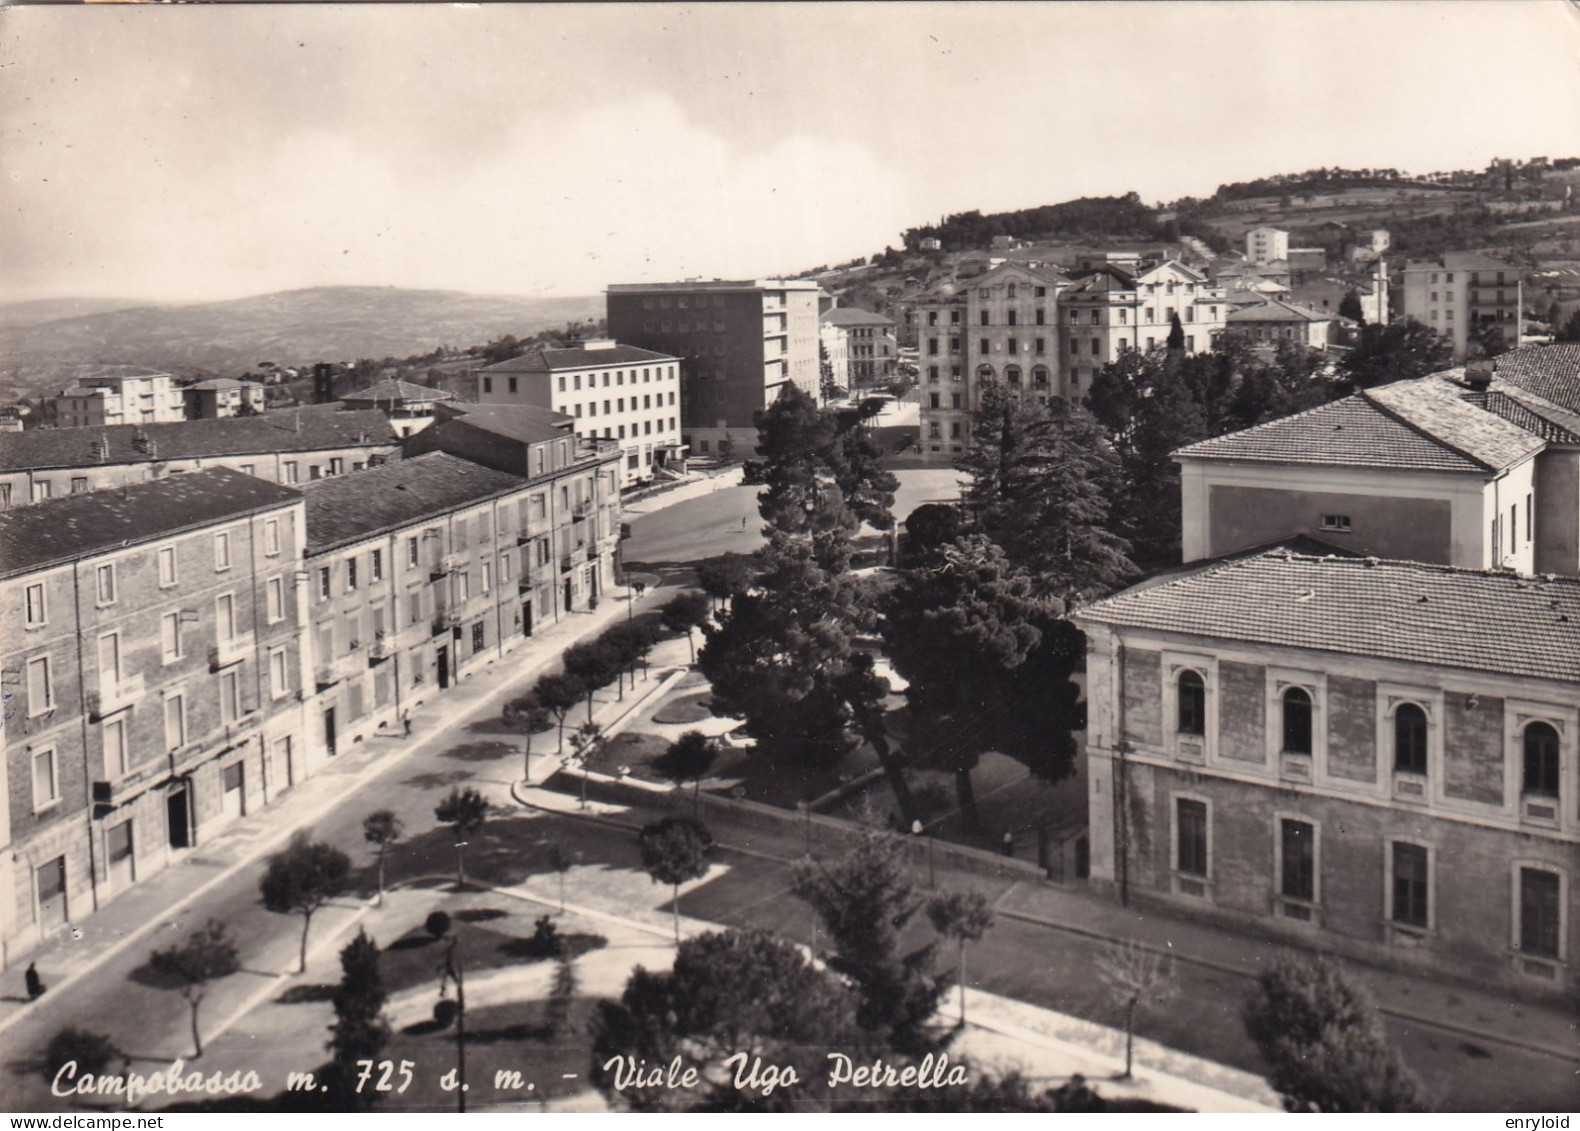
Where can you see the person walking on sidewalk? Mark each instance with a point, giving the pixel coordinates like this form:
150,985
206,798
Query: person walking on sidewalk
35,984
405,721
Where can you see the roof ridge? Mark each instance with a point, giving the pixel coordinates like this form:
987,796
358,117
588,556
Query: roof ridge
1395,415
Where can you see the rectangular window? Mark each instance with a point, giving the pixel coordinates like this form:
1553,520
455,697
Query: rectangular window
1410,885
222,550
104,584
1528,508
984,346
323,582
167,566
37,614
1336,522
1298,848
1191,837
175,722
279,673
40,690
225,616
1540,912
415,606
488,576
117,757
276,599
118,842
230,694
477,638
46,782
292,474
79,484
271,536
110,659
170,636
412,553
351,574
376,565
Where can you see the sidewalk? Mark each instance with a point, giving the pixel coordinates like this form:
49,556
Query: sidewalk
159,900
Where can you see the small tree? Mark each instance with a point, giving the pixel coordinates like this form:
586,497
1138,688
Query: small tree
1323,1039
464,810
689,758
360,1030
585,743
1176,339
381,828
558,694
1136,978
528,714
92,1052
302,878
686,612
964,916
208,953
723,577
675,850
594,665
560,860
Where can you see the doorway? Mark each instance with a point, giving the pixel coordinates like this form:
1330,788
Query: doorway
118,851
233,778
329,730
442,657
526,618
178,817
568,592
52,910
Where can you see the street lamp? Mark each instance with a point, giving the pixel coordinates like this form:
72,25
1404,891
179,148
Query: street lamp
916,830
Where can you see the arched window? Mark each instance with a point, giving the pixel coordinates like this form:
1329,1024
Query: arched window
1012,375
1039,376
1009,291
984,373
1409,739
1297,721
1541,760
1192,703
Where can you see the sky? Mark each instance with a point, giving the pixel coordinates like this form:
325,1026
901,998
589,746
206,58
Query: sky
184,154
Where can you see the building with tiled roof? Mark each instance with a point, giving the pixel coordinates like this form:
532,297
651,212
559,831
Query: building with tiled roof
222,397
154,681
118,394
867,343
1372,757
1551,372
1272,321
618,393
282,446
1421,470
408,406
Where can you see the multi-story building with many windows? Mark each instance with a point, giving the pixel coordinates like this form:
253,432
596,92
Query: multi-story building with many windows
618,393
738,343
153,670
871,353
1462,292
285,446
1370,756
122,394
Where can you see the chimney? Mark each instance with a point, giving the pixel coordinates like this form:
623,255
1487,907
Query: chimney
1479,373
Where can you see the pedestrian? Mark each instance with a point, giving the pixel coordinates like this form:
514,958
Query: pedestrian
35,984
743,522
405,721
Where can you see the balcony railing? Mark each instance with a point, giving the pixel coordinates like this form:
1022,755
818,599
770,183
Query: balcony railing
446,563
230,650
446,620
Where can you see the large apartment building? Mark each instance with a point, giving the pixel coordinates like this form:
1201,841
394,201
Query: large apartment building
286,446
738,343
866,342
618,393
1462,292
119,395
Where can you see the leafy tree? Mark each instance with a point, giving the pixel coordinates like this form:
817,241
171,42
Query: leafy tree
208,953
1570,331
1176,338
689,758
856,462
302,878
964,916
1324,1041
675,850
1394,351
1488,337
558,694
725,576
464,810
360,1030
686,612
1350,307
528,714
928,529
585,744
593,664
727,991
381,828
630,642
865,901
1136,978
1041,478
92,1052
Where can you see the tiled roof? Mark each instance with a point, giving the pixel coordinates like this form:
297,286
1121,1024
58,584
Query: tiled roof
1551,372
1351,432
524,422
1533,414
1434,406
219,383
1274,311
550,359
284,430
855,316
60,529
1406,611
345,508
385,392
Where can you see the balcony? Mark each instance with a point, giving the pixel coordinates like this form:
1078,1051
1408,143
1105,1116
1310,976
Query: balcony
385,645
446,563
230,651
567,563
114,696
582,507
445,620
331,673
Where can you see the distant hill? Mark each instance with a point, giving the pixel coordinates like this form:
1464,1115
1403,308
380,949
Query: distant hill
288,328
50,309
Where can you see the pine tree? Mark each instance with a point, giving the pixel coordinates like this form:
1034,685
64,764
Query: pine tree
360,1030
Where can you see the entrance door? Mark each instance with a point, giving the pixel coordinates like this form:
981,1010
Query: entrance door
52,894
281,773
442,655
118,850
329,730
568,595
234,778
526,618
178,817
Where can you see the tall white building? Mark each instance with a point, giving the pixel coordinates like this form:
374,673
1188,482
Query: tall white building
122,395
1264,245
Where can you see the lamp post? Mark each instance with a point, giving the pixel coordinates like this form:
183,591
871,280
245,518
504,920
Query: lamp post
916,830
